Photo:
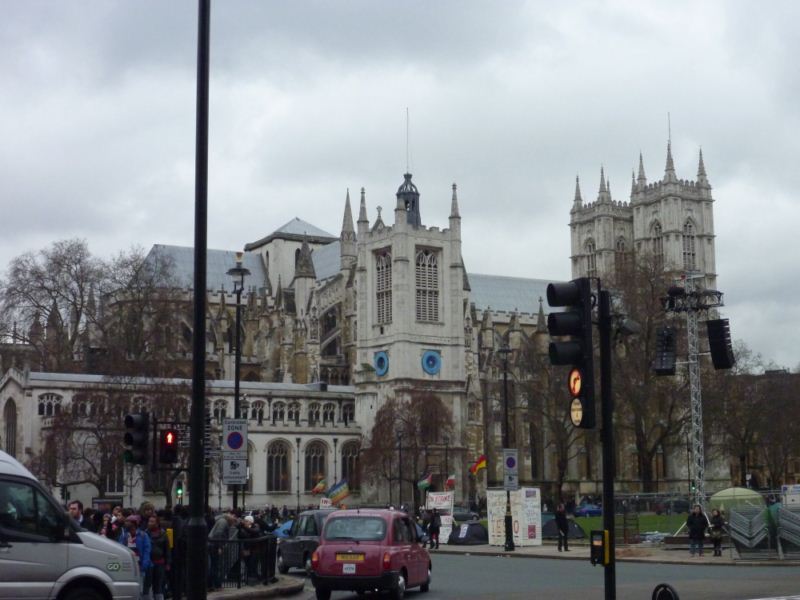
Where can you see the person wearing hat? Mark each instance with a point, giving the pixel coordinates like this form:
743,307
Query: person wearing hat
138,542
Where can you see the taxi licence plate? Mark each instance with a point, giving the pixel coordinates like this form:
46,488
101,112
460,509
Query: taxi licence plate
349,569
349,557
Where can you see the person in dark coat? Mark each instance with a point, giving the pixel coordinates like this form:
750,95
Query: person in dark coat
434,526
696,523
716,531
563,527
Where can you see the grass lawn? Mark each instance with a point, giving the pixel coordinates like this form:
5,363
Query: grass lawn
647,522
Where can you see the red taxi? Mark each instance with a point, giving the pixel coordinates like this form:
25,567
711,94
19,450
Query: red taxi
364,550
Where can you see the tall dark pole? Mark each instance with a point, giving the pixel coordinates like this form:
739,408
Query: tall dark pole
509,524
446,466
399,471
297,477
335,445
196,535
238,271
607,401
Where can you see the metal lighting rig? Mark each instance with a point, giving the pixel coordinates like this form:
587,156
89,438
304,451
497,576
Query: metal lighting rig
692,301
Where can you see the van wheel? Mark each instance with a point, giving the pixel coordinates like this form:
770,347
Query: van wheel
283,568
323,594
83,593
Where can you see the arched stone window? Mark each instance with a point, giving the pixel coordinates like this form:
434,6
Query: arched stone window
689,255
220,410
590,250
329,413
80,407
314,413
49,405
474,411
348,413
316,459
658,244
383,286
257,411
350,464
278,412
293,413
278,467
10,434
427,282
620,254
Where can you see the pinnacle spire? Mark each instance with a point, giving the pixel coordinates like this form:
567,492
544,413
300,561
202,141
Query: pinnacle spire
642,180
347,221
578,198
602,180
454,204
669,171
701,169
633,181
362,211
305,264
541,324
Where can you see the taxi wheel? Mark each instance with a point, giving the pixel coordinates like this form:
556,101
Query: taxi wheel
283,568
427,585
323,594
399,590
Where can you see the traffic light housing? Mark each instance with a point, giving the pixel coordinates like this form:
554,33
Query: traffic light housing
168,446
575,322
179,489
666,349
137,433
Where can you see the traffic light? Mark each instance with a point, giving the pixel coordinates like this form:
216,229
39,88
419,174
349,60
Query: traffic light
137,432
168,447
576,322
179,489
719,342
666,345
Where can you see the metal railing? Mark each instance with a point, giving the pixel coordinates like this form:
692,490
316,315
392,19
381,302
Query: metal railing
236,563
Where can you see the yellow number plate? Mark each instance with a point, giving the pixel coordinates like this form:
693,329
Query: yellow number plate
351,557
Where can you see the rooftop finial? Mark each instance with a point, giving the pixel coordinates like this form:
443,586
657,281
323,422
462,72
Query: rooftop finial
641,180
408,167
701,168
602,180
454,204
578,198
362,211
347,220
669,171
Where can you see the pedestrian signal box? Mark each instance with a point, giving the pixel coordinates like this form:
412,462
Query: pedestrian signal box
599,549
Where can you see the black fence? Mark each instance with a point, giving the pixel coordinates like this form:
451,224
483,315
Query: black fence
236,563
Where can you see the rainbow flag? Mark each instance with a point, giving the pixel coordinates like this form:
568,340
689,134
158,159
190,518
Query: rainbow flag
319,488
479,464
339,492
425,482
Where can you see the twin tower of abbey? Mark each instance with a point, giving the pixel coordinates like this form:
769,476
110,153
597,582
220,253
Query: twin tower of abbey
333,326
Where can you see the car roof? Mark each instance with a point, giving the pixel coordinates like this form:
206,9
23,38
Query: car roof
318,511
369,512
11,466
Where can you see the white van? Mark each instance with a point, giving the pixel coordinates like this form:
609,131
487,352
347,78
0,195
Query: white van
45,555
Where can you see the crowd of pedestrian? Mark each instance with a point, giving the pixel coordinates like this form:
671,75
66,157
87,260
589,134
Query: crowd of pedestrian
158,540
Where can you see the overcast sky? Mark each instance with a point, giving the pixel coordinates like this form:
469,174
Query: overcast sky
508,99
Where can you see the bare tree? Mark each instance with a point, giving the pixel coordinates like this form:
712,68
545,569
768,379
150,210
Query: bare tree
417,423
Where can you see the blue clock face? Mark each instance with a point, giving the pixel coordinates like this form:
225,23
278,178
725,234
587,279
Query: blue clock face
381,363
431,362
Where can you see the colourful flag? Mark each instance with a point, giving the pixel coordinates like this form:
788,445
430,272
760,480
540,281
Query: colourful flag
424,483
479,464
451,482
319,488
339,492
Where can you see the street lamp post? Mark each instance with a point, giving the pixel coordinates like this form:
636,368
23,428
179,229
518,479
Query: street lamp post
446,467
297,476
238,273
505,351
335,444
399,470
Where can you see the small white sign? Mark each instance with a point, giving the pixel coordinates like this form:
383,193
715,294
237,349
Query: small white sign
349,569
510,469
325,503
234,472
234,438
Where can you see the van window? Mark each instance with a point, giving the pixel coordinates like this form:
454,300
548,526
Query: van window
25,512
311,526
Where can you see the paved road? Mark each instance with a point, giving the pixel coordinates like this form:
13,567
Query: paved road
489,578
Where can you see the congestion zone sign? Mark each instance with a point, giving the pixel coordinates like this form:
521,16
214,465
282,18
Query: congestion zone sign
234,438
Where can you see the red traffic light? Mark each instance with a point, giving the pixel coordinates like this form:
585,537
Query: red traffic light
575,382
170,438
168,448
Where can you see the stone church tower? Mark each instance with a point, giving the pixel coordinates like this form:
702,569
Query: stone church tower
411,301
671,220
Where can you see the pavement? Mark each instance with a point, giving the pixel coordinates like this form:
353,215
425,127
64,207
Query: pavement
641,553
285,586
